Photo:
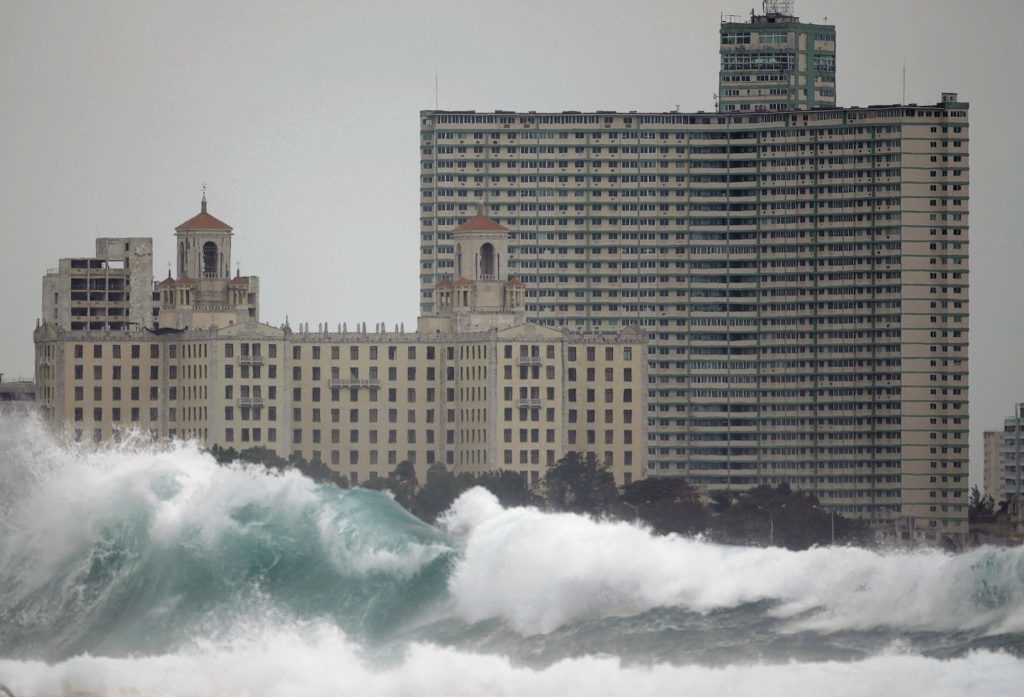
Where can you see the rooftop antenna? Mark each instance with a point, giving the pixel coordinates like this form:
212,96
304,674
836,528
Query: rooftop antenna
904,83
204,196
435,91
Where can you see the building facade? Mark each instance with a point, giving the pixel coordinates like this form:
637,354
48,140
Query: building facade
802,276
1013,454
775,62
993,473
476,389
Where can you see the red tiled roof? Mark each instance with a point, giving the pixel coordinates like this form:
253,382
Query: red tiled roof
185,281
239,281
444,283
203,221
480,223
462,282
515,282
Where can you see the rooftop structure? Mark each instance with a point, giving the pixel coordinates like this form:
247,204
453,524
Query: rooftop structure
775,62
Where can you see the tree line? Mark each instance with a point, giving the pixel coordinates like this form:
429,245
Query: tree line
578,483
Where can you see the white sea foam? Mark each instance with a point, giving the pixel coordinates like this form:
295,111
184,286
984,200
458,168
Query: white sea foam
539,571
310,661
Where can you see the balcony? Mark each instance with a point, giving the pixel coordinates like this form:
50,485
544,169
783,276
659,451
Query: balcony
531,403
250,360
371,383
529,360
250,401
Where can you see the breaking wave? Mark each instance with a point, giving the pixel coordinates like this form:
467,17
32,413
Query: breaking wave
153,570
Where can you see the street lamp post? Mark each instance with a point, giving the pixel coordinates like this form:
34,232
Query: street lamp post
636,510
832,516
771,525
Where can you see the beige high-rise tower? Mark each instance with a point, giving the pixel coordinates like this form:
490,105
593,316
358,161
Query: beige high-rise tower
802,273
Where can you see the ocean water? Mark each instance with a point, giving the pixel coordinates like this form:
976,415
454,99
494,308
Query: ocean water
141,570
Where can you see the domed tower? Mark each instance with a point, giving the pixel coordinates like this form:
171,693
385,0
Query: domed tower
481,249
204,246
204,293
482,296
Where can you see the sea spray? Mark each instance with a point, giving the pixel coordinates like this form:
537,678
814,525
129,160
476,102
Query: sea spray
539,571
136,548
319,661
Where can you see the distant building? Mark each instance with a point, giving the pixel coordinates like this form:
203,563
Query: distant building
17,396
775,62
993,478
1013,453
477,388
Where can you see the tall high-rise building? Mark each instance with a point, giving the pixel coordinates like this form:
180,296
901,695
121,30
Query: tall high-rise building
802,275
775,62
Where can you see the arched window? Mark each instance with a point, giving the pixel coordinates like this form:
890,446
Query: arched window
487,261
181,259
210,260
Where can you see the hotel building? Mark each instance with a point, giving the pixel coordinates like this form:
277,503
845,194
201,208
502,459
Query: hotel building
477,388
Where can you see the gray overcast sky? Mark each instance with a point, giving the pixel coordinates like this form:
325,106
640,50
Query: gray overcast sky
303,118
